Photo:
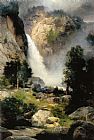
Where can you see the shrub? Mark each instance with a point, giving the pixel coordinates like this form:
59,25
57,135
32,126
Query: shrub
52,36
11,108
65,121
4,82
90,39
57,111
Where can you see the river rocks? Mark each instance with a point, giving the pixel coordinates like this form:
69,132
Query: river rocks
86,113
4,133
40,118
81,130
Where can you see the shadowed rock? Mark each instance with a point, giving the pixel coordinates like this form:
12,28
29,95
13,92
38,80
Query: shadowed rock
15,24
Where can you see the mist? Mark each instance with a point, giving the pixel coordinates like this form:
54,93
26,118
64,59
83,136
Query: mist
81,8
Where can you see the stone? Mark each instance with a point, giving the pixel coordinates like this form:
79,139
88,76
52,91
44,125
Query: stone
86,113
53,125
19,138
39,118
29,132
52,120
56,124
49,125
81,130
3,94
4,133
66,98
28,115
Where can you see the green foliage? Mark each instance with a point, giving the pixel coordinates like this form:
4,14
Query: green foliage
75,73
90,76
15,72
79,75
75,64
4,82
58,13
10,71
90,39
57,111
65,121
12,107
52,36
24,73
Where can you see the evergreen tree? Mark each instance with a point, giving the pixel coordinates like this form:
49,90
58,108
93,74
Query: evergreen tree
17,73
75,74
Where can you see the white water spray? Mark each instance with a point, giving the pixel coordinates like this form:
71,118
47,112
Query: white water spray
39,69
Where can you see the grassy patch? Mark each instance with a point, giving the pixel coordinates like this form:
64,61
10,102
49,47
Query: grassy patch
28,98
52,36
65,121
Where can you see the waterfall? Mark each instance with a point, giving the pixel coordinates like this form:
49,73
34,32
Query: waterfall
35,61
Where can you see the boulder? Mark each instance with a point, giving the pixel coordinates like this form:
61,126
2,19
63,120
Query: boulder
81,130
49,126
3,95
66,99
86,113
39,118
54,125
19,138
29,132
28,115
4,133
52,120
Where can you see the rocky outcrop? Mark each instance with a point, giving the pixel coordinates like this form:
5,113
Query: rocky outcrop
81,130
84,113
15,24
50,33
9,49
13,41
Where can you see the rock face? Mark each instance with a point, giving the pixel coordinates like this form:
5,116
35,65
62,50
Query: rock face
39,119
86,113
50,31
81,130
13,41
9,50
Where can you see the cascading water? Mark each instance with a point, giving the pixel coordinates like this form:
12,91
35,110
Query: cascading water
54,75
39,69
